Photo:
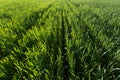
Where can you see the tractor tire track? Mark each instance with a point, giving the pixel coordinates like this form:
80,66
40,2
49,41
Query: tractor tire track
64,47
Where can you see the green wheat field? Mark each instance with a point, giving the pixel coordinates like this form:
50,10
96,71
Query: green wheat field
59,39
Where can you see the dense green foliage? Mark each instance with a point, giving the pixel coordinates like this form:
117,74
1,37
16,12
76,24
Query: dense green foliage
59,40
